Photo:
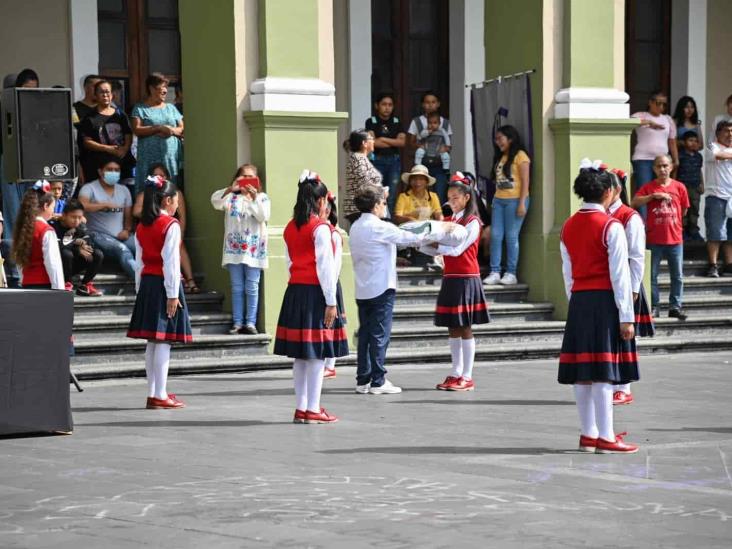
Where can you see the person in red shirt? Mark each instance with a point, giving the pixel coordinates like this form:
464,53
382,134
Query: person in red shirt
667,202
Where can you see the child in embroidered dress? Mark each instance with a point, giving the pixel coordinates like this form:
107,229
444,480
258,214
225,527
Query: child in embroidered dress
247,210
160,314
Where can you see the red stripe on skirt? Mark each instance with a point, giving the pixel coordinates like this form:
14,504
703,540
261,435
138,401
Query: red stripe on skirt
441,309
147,334
645,319
576,358
310,335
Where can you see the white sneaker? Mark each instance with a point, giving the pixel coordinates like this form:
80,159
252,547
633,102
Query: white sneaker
508,279
363,389
388,388
493,278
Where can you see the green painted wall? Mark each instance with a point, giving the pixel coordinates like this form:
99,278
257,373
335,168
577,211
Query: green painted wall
288,38
211,141
588,38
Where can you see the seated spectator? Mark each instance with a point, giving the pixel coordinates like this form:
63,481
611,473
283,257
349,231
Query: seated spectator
417,203
719,192
189,281
690,172
432,144
77,253
108,207
106,131
27,78
57,190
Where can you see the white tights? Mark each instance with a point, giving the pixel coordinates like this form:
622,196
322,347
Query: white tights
330,363
595,407
157,362
308,377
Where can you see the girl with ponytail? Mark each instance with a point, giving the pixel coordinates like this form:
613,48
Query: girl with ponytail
160,315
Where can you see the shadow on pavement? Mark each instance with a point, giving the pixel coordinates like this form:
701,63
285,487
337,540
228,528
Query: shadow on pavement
722,430
253,392
425,450
185,423
491,402
105,409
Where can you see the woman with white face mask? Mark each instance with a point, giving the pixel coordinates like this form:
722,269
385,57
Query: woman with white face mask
108,207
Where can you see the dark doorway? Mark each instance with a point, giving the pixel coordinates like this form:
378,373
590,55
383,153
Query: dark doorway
410,52
647,50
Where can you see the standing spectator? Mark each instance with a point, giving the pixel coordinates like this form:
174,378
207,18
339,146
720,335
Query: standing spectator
359,169
418,130
27,78
656,135
690,173
511,168
667,202
725,117
117,96
719,193
83,108
686,118
389,139
108,207
431,144
105,132
3,279
159,128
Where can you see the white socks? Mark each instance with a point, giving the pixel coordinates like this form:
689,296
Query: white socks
330,363
456,350
586,409
308,378
157,362
468,346
602,396
624,388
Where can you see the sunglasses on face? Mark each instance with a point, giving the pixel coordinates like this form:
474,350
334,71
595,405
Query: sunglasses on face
661,103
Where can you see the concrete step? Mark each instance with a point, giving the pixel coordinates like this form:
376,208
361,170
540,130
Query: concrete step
427,295
701,305
104,326
89,350
500,312
418,276
122,304
692,267
116,283
698,286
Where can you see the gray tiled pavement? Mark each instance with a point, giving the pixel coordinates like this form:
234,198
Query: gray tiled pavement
493,468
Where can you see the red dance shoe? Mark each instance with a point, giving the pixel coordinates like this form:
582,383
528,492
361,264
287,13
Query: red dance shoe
299,416
620,398
319,417
174,398
157,403
445,385
462,384
329,372
69,287
617,447
587,444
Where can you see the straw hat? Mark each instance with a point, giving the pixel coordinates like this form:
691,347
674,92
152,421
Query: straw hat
419,169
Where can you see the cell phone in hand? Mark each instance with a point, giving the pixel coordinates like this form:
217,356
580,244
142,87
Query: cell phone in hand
253,181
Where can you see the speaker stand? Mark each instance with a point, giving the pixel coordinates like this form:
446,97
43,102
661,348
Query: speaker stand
75,381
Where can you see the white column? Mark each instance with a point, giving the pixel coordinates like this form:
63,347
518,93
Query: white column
84,42
689,55
359,61
467,65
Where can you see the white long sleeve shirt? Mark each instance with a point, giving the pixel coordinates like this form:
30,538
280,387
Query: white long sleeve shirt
337,252
171,261
635,233
472,234
325,263
52,259
245,228
373,252
617,253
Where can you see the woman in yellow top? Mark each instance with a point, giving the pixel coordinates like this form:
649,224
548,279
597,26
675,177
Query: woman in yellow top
510,203
417,203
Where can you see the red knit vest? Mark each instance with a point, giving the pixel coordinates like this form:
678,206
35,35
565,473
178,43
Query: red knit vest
34,272
465,264
623,214
301,248
152,240
585,237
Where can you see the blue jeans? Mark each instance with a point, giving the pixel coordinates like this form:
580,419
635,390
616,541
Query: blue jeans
374,331
441,184
390,167
505,224
244,280
123,252
643,172
674,255
12,194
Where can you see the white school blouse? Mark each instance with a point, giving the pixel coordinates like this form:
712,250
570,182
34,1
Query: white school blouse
635,232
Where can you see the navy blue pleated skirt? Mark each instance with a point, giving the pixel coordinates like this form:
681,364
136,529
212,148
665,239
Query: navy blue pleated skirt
301,332
592,349
339,303
461,302
644,326
150,318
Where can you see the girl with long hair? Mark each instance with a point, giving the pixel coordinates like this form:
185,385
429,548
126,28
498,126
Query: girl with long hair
160,315
310,326
687,119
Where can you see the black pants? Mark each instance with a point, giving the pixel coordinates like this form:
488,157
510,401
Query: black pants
74,263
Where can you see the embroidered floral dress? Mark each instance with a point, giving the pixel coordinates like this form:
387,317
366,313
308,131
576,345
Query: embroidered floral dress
245,224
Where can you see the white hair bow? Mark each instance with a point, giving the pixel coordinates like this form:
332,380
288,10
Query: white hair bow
587,164
307,174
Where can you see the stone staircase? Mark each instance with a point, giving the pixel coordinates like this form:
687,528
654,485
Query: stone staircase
520,329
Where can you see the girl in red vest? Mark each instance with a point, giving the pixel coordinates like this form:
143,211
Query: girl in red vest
35,247
598,349
461,301
310,326
331,216
160,315
635,232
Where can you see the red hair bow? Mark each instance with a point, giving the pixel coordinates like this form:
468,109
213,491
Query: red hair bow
42,186
330,197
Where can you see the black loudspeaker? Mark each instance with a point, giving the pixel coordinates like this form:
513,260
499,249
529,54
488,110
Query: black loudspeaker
37,134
